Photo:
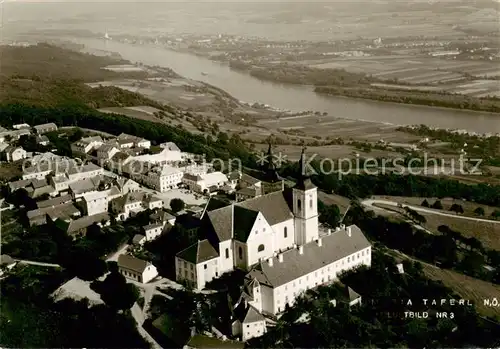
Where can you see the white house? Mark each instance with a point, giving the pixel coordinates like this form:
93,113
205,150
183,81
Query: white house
248,322
128,141
198,264
95,202
163,178
275,235
44,128
152,231
138,239
21,126
166,156
14,153
126,185
204,182
78,172
42,140
107,151
133,203
136,269
87,144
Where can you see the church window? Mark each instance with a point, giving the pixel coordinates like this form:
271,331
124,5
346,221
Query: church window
348,259
240,252
227,253
261,248
299,204
310,203
205,266
285,231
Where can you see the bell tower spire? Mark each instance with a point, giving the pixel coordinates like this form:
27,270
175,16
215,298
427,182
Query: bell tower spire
304,176
305,205
272,180
270,168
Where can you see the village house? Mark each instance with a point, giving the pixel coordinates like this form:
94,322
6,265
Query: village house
134,202
166,156
107,151
78,227
13,134
21,126
247,322
48,214
152,231
161,178
136,269
126,185
59,200
128,141
42,140
87,144
139,239
95,202
204,182
248,193
44,128
12,153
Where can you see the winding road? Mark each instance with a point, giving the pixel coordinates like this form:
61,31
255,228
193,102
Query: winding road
372,202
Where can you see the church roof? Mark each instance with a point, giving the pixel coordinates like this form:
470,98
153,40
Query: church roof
271,174
334,247
273,206
198,252
221,222
245,219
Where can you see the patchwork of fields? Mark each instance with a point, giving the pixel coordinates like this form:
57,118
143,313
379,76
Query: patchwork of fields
423,73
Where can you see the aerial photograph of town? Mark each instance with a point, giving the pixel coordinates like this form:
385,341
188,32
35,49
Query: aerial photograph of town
267,174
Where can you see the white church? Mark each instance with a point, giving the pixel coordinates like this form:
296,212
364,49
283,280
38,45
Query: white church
276,238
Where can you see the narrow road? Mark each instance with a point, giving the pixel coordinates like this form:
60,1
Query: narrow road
41,264
370,203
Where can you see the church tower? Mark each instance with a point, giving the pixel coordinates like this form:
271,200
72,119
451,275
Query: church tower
305,205
272,181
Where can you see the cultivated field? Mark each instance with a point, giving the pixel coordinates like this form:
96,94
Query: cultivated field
327,126
334,199
467,287
487,233
422,72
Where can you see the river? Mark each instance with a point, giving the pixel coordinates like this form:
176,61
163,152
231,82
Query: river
297,98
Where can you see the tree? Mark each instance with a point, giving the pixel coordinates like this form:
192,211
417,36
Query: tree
457,208
329,214
425,203
495,214
177,205
479,211
437,205
116,292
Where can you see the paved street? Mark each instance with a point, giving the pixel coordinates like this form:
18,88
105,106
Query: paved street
371,202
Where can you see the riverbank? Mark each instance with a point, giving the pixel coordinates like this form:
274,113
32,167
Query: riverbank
414,97
337,82
246,88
